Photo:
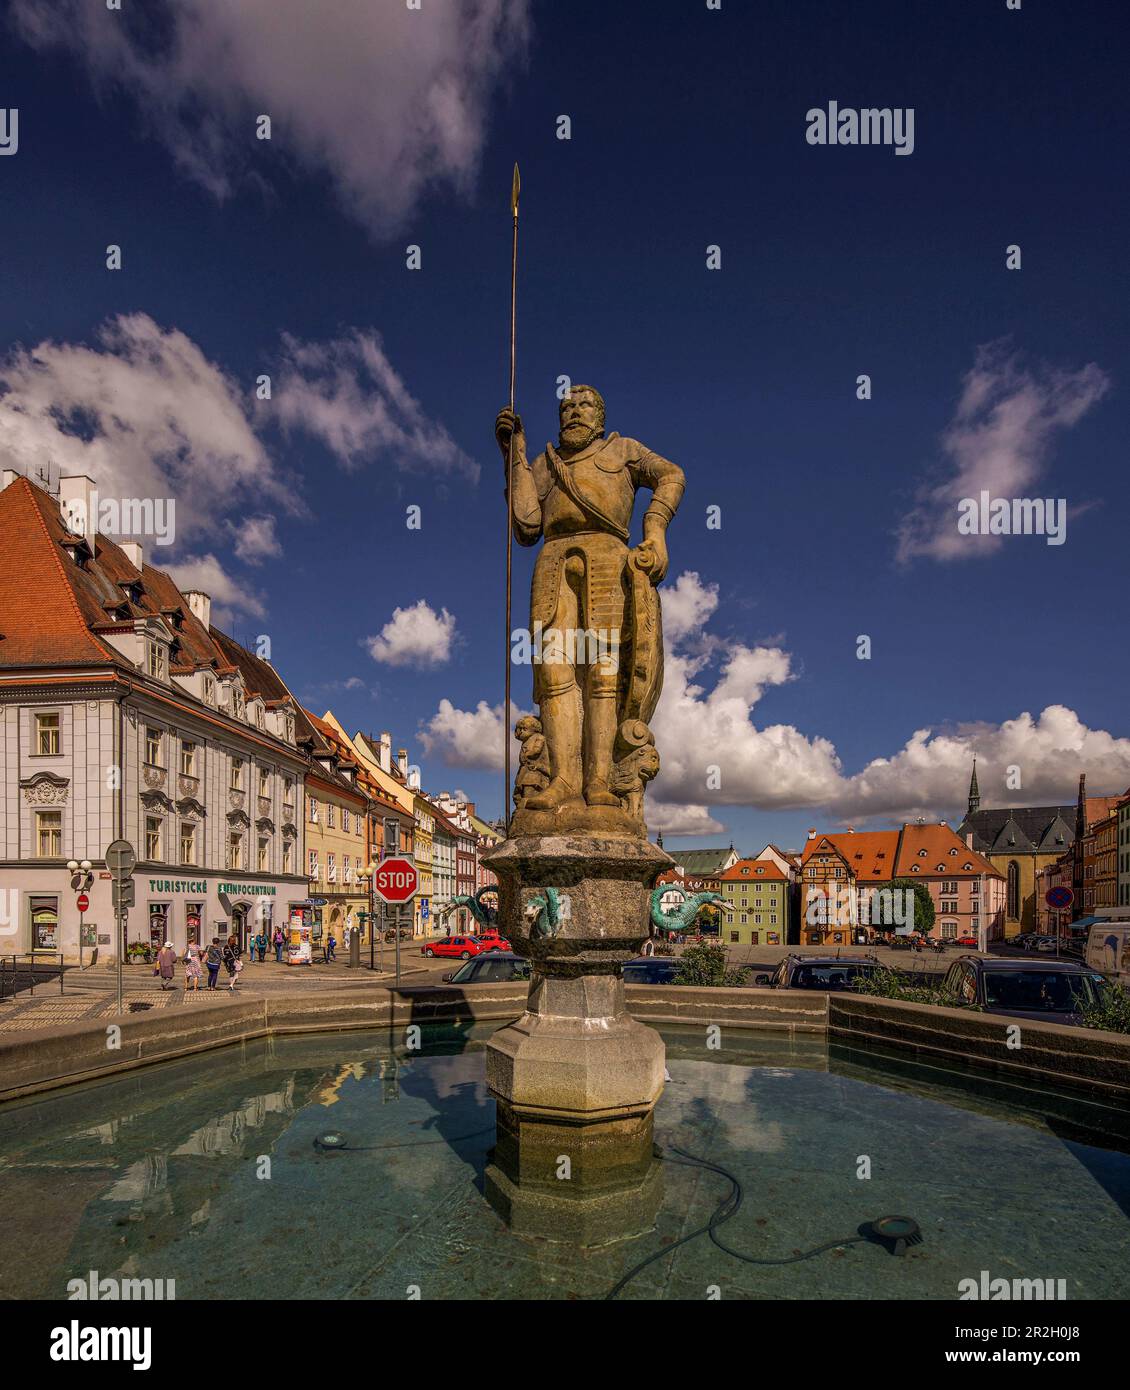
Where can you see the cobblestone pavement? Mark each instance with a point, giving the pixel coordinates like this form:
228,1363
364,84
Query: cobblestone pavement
92,993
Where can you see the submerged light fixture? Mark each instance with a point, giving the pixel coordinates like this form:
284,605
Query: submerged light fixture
894,1233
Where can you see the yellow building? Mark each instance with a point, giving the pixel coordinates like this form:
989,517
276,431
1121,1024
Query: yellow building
396,777
335,832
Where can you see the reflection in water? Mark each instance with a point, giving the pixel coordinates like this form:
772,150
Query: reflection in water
207,1172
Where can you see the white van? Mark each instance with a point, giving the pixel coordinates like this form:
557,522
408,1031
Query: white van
1108,949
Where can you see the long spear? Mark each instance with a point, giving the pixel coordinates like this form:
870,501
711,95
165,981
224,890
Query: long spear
514,188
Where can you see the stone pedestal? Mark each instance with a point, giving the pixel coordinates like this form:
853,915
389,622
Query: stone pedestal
576,1079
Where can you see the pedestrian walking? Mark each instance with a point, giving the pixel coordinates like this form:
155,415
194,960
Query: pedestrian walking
192,969
280,942
331,947
212,960
166,965
232,963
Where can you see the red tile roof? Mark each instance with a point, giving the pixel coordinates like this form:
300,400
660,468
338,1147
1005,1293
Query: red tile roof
756,871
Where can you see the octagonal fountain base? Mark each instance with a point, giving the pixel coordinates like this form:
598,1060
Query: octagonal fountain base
576,1078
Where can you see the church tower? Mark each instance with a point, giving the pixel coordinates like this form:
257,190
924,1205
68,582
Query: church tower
974,793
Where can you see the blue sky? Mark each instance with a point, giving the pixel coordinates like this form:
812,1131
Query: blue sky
287,257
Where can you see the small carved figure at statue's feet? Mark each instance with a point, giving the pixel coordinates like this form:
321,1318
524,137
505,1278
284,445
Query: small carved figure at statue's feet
550,798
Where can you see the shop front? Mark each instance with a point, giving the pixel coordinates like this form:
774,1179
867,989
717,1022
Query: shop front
200,908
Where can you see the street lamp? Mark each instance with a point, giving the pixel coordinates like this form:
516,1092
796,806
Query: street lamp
81,879
370,870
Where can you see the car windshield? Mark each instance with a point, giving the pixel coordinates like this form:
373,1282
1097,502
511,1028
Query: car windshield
1041,991
503,970
465,973
828,976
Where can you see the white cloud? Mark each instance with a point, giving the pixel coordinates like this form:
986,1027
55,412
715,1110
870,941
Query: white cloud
470,738
687,604
229,597
416,636
665,819
999,441
255,539
383,100
145,414
346,394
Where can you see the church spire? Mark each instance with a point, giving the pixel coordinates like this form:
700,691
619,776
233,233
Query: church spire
974,792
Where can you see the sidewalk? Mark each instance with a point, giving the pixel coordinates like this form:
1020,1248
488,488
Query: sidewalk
93,993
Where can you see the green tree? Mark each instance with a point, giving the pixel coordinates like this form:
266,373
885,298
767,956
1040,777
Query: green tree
706,965
923,905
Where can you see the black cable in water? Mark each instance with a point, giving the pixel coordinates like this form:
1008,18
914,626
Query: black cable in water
725,1210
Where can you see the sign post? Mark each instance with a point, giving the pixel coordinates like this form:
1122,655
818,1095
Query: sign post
396,880
121,860
1060,899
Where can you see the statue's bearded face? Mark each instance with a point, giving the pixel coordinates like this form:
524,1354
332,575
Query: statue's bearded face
582,420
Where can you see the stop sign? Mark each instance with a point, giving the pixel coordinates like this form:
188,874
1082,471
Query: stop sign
83,902
396,880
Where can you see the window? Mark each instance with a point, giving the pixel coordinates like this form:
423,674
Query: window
47,734
264,782
345,820
235,851
1013,889
288,791
237,699
188,759
153,739
313,861
949,930
331,867
157,661
330,817
288,856
49,834
313,811
209,691
44,923
735,936
187,843
237,774
153,837
264,851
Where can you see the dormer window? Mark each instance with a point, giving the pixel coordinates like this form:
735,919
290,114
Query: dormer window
208,687
922,854
237,700
158,661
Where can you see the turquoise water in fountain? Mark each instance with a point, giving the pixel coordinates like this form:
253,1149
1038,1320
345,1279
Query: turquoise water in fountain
163,1175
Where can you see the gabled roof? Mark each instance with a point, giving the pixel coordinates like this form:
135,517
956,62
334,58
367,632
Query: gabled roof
946,854
754,871
1032,822
43,620
869,854
702,863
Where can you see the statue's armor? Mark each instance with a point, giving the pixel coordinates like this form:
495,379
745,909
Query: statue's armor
579,549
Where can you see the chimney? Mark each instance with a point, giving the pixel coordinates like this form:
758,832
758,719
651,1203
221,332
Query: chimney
402,761
812,833
471,806
78,502
201,606
133,553
386,751
10,476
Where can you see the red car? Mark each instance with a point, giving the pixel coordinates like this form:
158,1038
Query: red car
463,947
491,941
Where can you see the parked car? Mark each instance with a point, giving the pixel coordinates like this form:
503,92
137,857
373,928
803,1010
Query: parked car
818,972
1108,949
491,941
1052,991
650,970
969,942
463,947
491,968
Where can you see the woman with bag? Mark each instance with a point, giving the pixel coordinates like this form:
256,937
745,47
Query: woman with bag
232,963
192,970
166,965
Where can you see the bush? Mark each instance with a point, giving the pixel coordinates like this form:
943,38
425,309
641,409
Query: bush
706,965
884,983
1111,1013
